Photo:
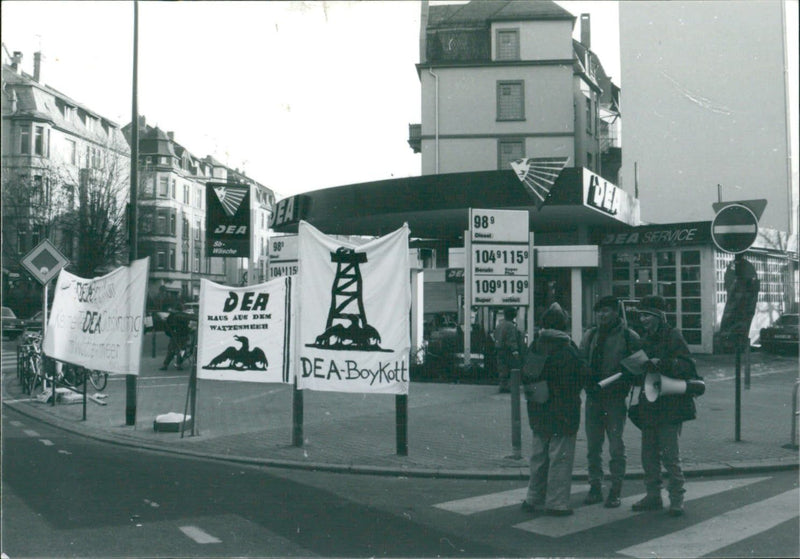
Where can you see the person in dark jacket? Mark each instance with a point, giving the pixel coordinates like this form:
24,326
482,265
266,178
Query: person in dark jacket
603,347
178,330
553,360
662,419
507,343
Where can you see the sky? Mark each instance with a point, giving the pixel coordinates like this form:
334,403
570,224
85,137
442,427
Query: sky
298,95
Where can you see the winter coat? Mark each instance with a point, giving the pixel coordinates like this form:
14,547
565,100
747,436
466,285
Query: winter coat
561,366
667,344
507,340
603,351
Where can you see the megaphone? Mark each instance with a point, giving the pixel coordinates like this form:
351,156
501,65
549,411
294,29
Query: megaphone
656,385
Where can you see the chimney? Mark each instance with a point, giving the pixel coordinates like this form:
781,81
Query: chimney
586,30
171,136
423,31
16,62
37,67
142,122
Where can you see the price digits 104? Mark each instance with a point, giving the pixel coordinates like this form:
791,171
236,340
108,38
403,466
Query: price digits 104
485,256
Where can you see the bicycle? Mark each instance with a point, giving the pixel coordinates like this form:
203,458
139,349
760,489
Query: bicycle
74,376
31,375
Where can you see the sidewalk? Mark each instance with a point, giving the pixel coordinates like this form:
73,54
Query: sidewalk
454,430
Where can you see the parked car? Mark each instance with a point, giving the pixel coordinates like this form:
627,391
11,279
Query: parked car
782,335
12,326
34,323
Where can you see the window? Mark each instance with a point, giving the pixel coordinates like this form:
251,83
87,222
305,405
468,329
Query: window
185,230
37,234
508,151
161,224
161,259
22,233
40,141
24,140
185,193
589,161
196,229
171,258
197,260
163,187
172,223
69,196
589,116
71,154
507,47
510,97
185,260
174,194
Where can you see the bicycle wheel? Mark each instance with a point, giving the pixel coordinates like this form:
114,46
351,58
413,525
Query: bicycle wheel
37,376
72,375
26,375
98,379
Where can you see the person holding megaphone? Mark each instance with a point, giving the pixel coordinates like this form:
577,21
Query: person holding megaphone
669,384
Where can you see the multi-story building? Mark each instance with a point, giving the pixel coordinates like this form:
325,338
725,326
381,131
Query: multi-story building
505,80
56,153
171,224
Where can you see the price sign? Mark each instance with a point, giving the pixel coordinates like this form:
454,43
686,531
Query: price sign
492,226
499,257
282,257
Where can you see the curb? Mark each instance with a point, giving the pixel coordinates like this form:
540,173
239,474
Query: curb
521,473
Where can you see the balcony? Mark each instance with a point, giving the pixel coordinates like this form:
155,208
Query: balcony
415,137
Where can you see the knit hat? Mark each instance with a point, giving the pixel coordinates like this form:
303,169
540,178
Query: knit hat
554,318
654,305
608,302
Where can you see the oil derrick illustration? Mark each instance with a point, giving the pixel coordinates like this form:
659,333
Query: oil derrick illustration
348,330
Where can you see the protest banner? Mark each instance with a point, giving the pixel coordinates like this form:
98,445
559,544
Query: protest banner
99,323
353,313
243,332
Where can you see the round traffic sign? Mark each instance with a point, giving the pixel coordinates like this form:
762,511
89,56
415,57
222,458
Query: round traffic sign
735,228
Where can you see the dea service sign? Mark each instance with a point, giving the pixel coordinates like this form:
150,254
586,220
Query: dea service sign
227,220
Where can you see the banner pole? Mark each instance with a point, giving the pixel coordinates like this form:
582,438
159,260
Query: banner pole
297,415
401,423
738,427
186,403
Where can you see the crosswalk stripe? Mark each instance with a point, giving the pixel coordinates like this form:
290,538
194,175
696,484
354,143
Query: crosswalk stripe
589,517
722,530
199,535
30,433
483,503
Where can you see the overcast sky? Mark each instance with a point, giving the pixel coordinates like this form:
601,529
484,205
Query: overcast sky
301,95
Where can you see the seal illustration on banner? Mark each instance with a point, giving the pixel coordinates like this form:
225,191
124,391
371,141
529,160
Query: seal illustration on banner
240,359
348,330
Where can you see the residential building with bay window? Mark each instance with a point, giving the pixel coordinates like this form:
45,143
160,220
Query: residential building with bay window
172,219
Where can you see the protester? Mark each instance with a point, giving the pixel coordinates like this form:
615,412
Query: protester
507,339
178,331
603,347
553,360
663,418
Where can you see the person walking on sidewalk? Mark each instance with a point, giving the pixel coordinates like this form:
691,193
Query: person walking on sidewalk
178,331
603,347
554,414
662,419
507,342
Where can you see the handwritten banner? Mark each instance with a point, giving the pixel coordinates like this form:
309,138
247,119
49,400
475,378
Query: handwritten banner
99,323
353,310
243,332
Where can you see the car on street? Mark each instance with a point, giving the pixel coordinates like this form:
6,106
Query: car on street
782,335
33,323
12,326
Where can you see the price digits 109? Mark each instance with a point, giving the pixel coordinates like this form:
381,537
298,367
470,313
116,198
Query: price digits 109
487,256
500,286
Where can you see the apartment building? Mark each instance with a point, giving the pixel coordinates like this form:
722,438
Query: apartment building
172,219
56,153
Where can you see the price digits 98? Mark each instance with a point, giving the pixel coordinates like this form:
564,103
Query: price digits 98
504,286
487,256
482,221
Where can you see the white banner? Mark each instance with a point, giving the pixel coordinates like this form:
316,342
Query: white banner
243,332
353,310
99,323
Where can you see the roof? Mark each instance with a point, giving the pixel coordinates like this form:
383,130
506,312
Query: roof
483,12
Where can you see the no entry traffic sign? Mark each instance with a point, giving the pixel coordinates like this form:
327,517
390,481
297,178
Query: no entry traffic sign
735,228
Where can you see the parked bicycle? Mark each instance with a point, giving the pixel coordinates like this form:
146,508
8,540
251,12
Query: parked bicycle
30,368
73,376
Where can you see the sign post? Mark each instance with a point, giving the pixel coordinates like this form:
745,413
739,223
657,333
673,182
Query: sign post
734,229
498,251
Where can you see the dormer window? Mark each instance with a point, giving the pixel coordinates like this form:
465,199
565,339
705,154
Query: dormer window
507,44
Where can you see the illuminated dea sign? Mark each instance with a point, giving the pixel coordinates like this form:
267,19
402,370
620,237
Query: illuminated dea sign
227,220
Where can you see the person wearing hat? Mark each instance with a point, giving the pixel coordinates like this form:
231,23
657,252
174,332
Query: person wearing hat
603,347
555,415
662,419
507,340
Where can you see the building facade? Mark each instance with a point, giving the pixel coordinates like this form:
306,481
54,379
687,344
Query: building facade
57,155
172,219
